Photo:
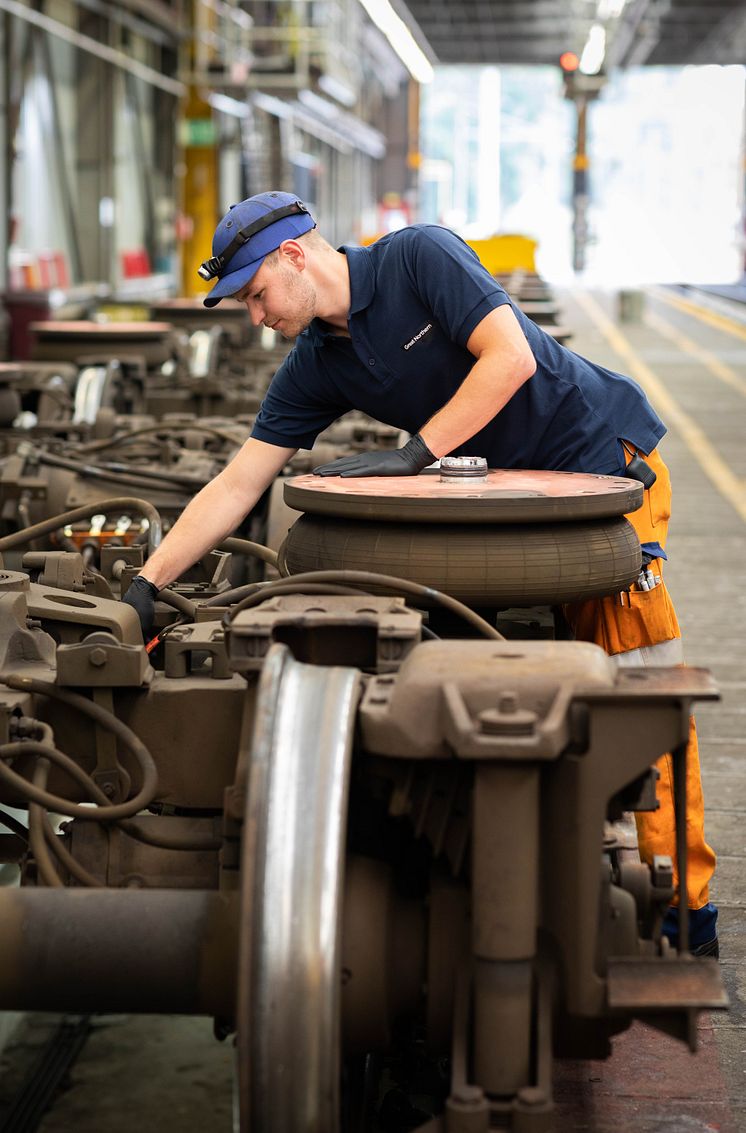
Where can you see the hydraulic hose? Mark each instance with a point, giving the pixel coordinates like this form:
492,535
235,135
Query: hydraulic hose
133,434
65,858
101,813
137,479
178,602
105,719
248,547
115,503
169,480
55,802
37,842
280,586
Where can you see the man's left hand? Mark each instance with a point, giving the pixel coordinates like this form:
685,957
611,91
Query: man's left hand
406,461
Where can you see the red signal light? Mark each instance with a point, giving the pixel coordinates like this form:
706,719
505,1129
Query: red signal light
569,61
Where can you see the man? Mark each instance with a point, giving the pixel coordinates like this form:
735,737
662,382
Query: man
416,333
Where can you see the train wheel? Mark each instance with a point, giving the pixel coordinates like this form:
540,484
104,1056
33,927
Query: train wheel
288,1007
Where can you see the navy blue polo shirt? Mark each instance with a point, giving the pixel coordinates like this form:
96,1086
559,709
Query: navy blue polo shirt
416,296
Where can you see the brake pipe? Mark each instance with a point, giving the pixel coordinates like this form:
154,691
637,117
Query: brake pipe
100,813
113,442
115,503
105,719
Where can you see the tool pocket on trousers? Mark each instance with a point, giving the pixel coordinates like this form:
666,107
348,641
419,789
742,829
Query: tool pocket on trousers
640,618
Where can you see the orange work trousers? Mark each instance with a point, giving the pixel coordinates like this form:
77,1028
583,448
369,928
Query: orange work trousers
645,621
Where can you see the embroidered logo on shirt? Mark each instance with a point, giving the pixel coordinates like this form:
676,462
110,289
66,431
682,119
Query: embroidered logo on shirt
420,334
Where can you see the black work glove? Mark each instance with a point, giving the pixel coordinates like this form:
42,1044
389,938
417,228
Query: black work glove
141,596
407,461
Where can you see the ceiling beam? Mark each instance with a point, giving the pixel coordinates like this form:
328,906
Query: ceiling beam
726,41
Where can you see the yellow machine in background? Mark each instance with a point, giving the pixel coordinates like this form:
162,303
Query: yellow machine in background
505,253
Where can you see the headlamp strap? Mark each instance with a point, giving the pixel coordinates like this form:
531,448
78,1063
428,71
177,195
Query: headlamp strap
213,267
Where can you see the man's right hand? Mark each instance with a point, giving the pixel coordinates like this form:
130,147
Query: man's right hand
141,595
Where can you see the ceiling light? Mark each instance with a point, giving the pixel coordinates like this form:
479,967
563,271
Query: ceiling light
401,39
594,51
337,90
610,9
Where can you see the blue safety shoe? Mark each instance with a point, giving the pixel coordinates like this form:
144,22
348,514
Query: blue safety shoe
703,937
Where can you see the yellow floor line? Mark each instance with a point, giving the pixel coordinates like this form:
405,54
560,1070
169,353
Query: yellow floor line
706,455
709,360
713,318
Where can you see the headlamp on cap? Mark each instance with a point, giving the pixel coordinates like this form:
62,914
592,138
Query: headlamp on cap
212,268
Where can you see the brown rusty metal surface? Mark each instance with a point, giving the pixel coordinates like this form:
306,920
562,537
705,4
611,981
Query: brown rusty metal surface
637,986
102,661
191,725
383,956
118,950
364,631
121,861
506,799
187,646
507,496
673,681
70,617
447,946
408,714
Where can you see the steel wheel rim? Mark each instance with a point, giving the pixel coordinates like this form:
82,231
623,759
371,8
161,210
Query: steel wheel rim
292,877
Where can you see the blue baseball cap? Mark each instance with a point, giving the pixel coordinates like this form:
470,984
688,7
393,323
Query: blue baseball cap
248,232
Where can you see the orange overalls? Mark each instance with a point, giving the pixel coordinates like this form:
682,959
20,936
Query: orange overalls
645,628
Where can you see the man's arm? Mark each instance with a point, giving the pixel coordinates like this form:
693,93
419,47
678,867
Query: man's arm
216,510
504,361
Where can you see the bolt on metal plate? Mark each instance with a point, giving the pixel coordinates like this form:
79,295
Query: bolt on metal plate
455,469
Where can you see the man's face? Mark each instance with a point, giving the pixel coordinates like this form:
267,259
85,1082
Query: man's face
281,297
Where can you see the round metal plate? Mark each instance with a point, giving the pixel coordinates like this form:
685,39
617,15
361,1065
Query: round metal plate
507,496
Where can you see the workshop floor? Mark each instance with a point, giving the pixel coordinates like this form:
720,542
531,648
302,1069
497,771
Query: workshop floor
146,1074
694,371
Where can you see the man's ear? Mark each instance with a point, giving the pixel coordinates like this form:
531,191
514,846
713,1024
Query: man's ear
293,253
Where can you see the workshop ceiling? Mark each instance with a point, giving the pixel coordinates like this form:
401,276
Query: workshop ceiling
647,32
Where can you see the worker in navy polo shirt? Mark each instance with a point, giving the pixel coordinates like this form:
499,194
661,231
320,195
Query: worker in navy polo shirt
415,332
